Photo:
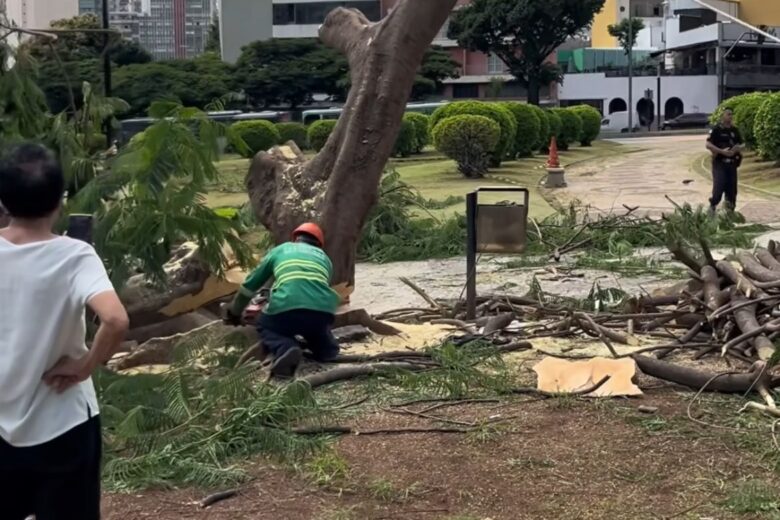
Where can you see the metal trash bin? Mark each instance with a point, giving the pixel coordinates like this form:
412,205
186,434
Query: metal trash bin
498,228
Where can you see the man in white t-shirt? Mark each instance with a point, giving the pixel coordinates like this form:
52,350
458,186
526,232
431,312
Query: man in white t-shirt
50,443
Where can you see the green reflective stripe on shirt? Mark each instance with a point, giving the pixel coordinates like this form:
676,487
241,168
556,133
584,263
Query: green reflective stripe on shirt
301,263
299,276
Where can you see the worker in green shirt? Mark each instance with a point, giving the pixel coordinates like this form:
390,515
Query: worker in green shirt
301,303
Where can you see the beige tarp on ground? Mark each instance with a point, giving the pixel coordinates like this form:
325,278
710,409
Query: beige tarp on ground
565,376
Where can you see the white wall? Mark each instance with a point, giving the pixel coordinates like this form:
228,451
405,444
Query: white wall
296,31
40,13
652,36
698,93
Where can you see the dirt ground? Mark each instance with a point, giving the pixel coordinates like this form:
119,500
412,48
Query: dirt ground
559,458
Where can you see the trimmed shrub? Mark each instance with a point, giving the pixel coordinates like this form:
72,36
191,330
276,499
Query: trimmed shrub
529,127
258,135
591,123
571,127
502,116
406,142
555,124
422,135
745,116
318,133
293,132
767,128
469,140
544,127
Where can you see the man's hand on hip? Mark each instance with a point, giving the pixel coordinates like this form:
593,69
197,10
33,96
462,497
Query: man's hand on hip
68,372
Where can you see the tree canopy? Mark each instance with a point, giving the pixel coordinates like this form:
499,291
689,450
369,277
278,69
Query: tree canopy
523,34
626,32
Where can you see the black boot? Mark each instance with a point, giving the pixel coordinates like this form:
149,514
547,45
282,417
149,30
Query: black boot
285,365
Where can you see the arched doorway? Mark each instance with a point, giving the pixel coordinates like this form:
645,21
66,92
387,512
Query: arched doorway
674,107
617,105
646,110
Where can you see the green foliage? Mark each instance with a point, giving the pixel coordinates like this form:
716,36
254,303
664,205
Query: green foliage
494,111
767,127
76,57
529,127
554,123
196,82
406,142
151,197
393,233
22,103
319,132
591,123
290,71
626,32
188,426
523,33
468,140
437,65
544,128
422,133
745,116
295,132
327,469
259,135
571,127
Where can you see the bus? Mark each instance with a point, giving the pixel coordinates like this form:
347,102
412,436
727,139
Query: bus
131,127
309,116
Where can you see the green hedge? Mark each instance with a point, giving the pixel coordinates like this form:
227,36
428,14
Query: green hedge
259,136
318,133
571,127
501,115
469,140
591,123
422,134
555,124
745,116
544,127
767,127
529,128
406,142
293,132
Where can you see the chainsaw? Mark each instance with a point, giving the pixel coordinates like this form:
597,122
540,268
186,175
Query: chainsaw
255,307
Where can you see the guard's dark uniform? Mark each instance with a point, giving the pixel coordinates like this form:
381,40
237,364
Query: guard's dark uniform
724,169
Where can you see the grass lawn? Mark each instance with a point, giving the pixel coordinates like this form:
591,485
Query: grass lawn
439,179
435,177
754,173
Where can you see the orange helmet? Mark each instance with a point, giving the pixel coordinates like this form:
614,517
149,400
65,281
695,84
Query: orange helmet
311,229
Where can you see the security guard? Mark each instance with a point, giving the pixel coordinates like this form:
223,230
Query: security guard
725,144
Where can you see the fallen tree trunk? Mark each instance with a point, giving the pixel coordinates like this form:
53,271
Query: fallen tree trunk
767,260
697,379
755,270
745,317
742,283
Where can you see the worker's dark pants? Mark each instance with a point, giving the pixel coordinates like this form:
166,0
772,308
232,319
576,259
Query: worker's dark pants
278,332
56,480
724,181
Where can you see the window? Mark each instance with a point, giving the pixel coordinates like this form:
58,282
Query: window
314,13
465,91
495,65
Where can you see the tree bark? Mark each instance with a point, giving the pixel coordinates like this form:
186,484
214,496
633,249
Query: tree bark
534,87
338,187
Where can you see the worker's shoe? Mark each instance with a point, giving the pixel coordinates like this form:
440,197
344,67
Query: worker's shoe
286,364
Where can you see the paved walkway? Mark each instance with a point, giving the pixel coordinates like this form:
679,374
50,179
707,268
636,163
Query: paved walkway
645,178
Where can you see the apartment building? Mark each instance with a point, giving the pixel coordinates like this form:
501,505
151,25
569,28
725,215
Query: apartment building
38,14
690,56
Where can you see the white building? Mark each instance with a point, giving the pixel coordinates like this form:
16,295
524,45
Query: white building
38,14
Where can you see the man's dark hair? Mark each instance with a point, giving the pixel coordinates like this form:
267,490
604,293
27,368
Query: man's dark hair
31,181
308,239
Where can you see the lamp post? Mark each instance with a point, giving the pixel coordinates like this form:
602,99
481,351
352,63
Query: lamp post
107,68
630,70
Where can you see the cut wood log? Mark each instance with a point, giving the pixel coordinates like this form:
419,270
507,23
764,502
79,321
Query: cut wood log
747,322
497,323
697,379
346,317
768,260
746,286
713,296
344,373
755,270
177,325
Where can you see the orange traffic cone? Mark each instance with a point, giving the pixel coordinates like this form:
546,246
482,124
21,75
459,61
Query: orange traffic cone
552,160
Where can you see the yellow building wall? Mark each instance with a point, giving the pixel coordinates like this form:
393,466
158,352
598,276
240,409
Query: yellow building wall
760,12
605,18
